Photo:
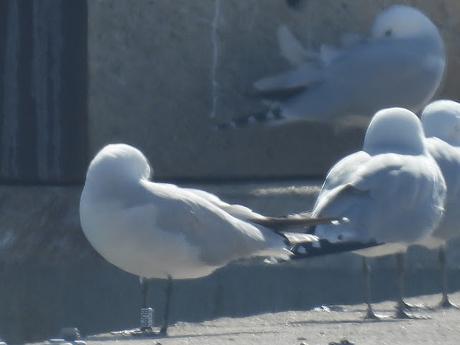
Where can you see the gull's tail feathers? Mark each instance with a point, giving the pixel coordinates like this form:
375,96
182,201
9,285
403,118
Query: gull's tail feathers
306,246
297,221
324,247
290,47
270,118
292,50
290,82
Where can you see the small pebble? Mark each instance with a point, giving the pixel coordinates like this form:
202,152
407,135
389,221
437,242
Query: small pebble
56,340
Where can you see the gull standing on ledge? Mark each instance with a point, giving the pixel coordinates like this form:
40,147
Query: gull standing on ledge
441,122
401,64
392,192
159,230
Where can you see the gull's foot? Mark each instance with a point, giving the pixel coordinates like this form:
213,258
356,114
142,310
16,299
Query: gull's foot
404,314
149,332
410,307
372,316
164,331
446,304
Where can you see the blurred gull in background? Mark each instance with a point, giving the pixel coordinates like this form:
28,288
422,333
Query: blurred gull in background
392,192
441,122
158,230
401,64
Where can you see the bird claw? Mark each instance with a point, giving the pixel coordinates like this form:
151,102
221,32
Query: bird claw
404,314
372,316
446,304
411,307
163,331
149,332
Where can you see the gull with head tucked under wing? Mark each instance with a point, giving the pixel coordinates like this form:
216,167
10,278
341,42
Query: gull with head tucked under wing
441,122
392,192
159,230
401,64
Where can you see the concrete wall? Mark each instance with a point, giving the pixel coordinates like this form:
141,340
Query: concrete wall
43,91
163,72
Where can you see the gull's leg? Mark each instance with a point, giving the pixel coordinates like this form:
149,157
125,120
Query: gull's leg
146,322
164,329
146,313
402,307
144,291
370,314
445,302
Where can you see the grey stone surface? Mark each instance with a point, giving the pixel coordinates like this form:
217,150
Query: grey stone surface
342,325
51,278
163,72
38,299
40,224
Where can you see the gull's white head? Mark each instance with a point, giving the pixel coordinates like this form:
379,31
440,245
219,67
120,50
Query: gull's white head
395,130
441,119
119,161
401,21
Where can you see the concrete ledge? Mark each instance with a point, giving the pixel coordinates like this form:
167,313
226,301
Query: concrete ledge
51,278
309,327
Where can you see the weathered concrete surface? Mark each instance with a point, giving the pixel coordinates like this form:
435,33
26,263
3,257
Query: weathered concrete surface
51,278
42,224
162,72
315,327
37,299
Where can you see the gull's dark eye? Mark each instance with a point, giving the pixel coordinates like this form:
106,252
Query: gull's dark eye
388,33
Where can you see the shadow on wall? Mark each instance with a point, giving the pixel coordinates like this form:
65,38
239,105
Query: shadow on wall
43,76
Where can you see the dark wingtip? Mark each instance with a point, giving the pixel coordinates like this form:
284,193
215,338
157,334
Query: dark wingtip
262,118
324,247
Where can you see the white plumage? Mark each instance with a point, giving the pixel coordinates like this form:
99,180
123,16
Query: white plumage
392,191
441,122
159,230
400,64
